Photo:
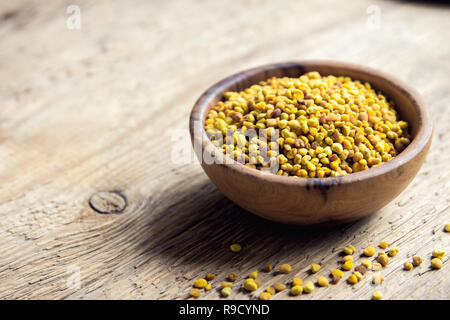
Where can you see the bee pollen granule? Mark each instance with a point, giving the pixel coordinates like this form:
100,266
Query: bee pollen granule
384,244
200,283
310,126
417,261
349,250
436,263
347,257
195,293
232,277
348,265
265,296
297,282
336,276
337,272
315,268
235,247
376,266
226,291
362,269
367,263
383,259
352,279
210,276
407,265
322,281
250,285
335,279
285,268
308,287
267,268
393,252
296,290
271,290
278,286
358,275
377,295
369,251
377,279
438,254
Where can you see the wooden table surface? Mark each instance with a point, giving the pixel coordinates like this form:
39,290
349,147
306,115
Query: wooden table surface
105,108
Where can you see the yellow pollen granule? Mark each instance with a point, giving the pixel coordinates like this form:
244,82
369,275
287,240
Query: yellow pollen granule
297,282
383,244
308,287
226,284
235,247
407,265
271,290
383,259
296,290
417,260
337,272
377,279
348,257
265,296
250,285
310,126
377,295
348,265
200,283
369,251
352,279
278,286
210,276
226,291
195,293
349,250
367,263
285,268
393,252
267,268
322,281
315,268
438,254
436,263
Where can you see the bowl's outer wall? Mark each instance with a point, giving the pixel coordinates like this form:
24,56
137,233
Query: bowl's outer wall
313,204
316,202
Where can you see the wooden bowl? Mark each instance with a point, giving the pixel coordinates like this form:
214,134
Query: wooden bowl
307,201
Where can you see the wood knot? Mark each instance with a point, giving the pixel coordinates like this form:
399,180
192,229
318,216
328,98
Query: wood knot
108,202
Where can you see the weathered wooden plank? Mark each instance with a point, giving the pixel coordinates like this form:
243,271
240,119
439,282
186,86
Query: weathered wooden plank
96,109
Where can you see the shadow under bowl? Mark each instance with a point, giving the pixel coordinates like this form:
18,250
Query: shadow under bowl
306,201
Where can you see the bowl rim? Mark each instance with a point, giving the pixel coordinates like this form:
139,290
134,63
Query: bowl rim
418,143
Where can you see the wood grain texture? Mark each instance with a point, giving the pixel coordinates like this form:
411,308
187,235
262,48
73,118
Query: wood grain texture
99,109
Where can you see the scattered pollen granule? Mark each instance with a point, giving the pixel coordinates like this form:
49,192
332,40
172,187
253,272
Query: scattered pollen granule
296,290
315,268
268,268
377,295
195,293
285,268
236,247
